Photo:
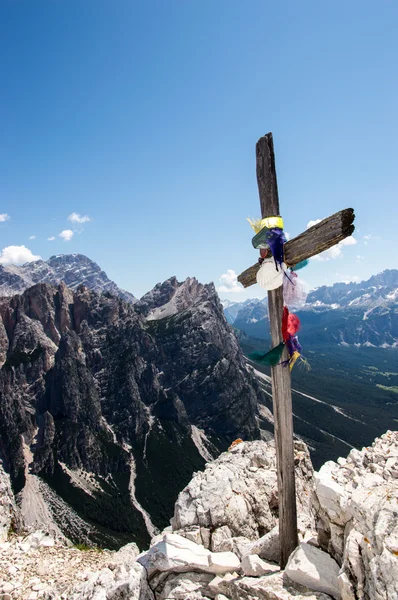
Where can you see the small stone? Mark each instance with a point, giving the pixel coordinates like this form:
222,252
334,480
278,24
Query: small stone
8,587
253,566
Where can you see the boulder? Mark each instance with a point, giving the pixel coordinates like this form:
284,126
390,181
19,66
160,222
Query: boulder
177,554
315,569
267,546
253,566
182,586
271,587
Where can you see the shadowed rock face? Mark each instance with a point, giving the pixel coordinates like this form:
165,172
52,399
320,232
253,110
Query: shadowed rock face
101,395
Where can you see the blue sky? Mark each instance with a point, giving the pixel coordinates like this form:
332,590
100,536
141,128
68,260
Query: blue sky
143,116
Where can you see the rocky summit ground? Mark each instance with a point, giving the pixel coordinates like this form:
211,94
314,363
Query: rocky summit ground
223,541
37,567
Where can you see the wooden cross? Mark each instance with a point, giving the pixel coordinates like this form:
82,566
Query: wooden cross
316,239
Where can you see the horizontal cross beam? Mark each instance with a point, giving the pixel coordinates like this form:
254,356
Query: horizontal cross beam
316,239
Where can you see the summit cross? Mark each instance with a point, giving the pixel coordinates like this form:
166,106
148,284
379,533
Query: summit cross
316,239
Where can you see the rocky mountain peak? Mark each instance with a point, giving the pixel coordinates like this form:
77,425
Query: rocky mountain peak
173,297
73,269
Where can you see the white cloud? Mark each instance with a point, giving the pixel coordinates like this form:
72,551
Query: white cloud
77,218
348,278
32,237
288,236
17,255
66,235
4,217
359,257
337,250
51,239
312,223
230,282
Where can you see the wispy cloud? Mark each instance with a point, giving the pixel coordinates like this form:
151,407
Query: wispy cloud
78,218
32,237
370,238
4,217
51,239
230,282
66,235
17,255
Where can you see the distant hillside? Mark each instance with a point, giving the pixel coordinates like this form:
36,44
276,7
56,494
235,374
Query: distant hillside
72,269
361,314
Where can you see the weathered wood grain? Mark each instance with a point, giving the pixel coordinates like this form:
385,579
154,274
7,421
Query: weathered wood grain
316,239
281,388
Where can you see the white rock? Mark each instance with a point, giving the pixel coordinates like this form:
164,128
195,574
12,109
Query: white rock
331,495
177,554
315,569
181,586
122,583
230,493
223,562
268,547
253,566
346,588
8,587
221,539
367,493
271,587
221,585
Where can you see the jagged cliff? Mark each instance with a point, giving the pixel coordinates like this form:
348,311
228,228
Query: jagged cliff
107,407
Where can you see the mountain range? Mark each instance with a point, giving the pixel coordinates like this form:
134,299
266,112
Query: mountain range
72,269
360,314
108,404
107,407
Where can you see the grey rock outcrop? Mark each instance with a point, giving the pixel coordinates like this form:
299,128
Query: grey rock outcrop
237,496
358,525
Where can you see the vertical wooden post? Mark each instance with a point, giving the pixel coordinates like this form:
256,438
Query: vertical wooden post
281,388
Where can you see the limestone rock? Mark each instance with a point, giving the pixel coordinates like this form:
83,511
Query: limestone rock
315,569
272,587
177,554
239,491
268,546
114,585
253,566
358,500
182,586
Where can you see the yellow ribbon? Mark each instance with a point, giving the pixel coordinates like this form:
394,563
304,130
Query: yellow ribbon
270,222
293,359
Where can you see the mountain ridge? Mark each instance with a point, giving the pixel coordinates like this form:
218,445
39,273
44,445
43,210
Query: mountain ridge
364,313
73,269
